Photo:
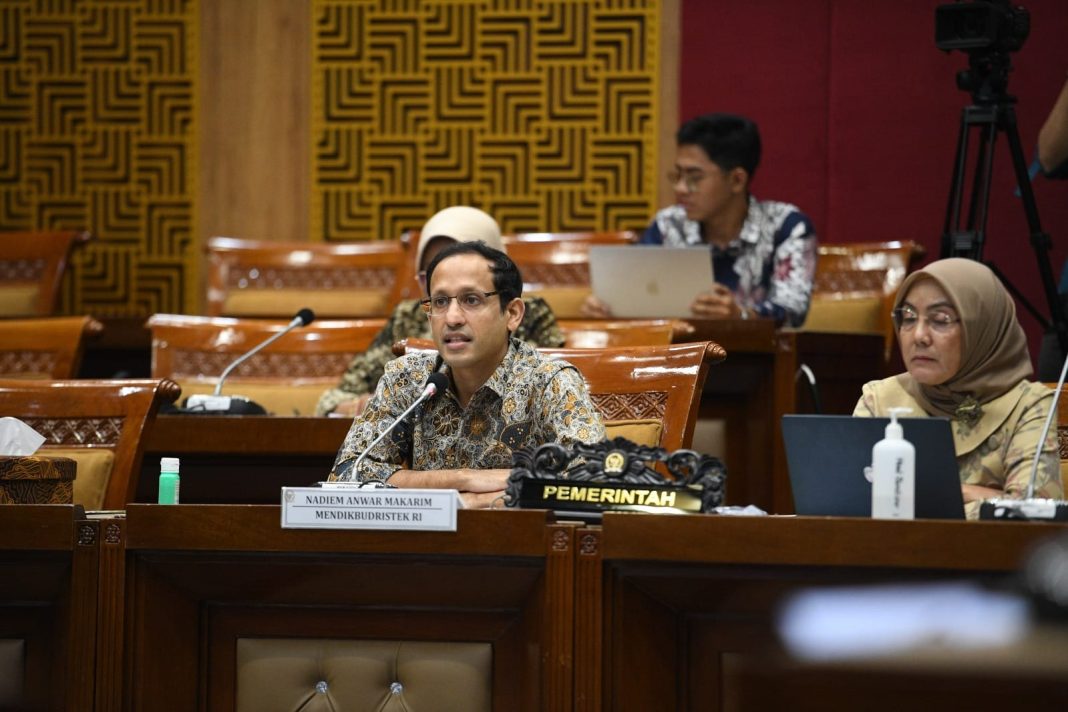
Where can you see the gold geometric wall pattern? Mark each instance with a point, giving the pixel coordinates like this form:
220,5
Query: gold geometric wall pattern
97,132
541,113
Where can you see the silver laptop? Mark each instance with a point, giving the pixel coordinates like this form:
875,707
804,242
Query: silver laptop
650,280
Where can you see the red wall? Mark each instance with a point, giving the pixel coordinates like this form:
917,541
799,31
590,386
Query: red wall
859,115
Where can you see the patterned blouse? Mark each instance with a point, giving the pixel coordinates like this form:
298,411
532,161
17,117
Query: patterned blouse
528,401
997,453
409,322
770,266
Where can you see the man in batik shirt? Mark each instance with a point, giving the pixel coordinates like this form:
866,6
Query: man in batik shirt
459,223
502,393
763,252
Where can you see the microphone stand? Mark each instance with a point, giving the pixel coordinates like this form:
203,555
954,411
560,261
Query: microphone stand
1031,507
227,404
297,321
434,383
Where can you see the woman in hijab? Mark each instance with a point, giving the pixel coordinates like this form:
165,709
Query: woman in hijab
967,360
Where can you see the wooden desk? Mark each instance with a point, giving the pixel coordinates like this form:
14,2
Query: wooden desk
688,601
643,612
202,577
757,384
48,604
233,459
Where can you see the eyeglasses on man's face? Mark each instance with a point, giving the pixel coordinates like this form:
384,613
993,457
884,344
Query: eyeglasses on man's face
470,302
941,321
690,178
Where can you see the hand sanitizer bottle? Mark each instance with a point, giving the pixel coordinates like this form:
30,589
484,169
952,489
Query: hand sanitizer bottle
168,480
893,464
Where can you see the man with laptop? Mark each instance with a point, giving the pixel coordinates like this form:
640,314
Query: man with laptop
762,253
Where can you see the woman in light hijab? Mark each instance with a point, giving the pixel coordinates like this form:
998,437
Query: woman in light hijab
967,360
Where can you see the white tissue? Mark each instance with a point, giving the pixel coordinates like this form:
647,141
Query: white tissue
18,439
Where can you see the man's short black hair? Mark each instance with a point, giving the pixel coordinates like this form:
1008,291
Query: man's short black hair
729,140
507,281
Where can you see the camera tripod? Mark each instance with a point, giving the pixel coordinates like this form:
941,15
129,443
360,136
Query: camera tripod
993,112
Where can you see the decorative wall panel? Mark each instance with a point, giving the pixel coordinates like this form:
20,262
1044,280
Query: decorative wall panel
542,113
97,132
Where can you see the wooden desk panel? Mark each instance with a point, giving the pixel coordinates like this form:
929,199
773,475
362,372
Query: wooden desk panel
201,577
690,601
233,459
757,384
48,599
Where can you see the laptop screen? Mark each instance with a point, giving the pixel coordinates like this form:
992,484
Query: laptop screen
827,454
648,280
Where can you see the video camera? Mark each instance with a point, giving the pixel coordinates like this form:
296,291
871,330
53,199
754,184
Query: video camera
987,30
981,25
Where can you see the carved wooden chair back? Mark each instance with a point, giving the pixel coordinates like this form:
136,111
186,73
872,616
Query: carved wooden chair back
855,286
257,278
98,423
286,378
555,265
649,394
602,333
558,268
32,264
49,347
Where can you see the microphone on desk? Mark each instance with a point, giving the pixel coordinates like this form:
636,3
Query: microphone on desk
1031,507
435,383
217,404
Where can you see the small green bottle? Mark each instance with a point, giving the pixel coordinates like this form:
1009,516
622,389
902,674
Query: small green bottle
168,480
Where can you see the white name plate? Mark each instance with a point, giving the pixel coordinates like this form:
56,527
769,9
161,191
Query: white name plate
363,508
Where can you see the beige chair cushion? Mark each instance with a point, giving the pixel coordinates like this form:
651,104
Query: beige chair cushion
859,315
640,432
325,303
316,675
12,655
277,398
19,299
94,472
566,302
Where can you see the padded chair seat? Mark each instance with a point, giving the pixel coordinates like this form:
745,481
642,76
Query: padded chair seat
94,473
19,299
857,315
316,675
641,432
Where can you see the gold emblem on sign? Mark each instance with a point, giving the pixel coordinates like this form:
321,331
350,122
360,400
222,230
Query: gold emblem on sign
614,462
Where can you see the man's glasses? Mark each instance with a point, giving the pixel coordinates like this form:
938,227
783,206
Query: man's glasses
691,179
906,318
470,302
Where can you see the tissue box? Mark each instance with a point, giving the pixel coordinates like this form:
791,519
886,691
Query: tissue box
35,479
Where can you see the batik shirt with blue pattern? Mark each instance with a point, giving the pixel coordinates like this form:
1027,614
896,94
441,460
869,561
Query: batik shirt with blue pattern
769,267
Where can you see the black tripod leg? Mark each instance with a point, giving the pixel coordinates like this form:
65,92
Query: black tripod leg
1040,241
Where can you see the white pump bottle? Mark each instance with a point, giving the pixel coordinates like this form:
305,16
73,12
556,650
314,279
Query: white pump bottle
893,464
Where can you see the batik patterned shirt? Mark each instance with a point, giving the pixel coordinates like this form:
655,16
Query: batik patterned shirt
408,321
528,401
1003,457
769,267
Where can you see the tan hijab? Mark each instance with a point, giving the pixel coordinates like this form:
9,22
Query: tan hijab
994,355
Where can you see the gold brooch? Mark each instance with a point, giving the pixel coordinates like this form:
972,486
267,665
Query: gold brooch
969,412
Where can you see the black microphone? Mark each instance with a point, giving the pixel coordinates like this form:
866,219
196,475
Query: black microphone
435,383
238,405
